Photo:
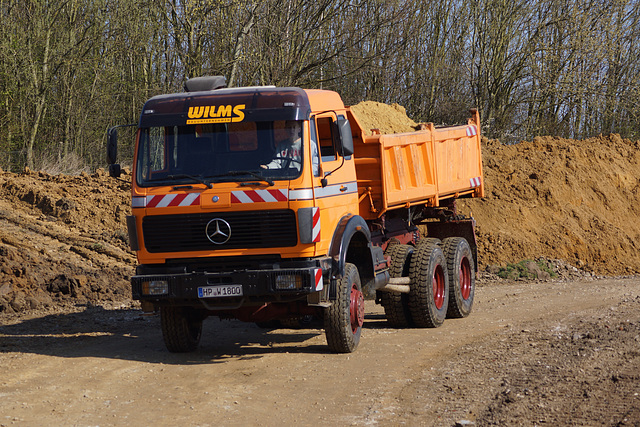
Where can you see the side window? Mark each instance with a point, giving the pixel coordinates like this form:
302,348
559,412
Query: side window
154,153
326,138
315,155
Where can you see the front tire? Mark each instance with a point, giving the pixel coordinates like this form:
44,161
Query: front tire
429,296
344,318
181,328
462,276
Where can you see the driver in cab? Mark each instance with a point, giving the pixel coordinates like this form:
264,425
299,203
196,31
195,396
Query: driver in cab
288,151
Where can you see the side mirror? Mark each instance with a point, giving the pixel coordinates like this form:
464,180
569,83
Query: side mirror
112,146
345,148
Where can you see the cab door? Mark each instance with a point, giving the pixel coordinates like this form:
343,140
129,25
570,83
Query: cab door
334,183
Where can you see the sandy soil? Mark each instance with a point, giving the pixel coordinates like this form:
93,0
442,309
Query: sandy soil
74,349
63,240
554,353
385,118
578,201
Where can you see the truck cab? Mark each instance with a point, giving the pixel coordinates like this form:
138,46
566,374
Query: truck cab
236,197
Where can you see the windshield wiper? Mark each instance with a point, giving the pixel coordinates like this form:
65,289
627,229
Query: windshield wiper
199,179
253,174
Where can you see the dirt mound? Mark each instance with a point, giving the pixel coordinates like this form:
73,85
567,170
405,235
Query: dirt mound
63,240
578,201
387,118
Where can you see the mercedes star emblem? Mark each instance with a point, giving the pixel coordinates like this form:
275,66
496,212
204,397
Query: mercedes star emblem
218,231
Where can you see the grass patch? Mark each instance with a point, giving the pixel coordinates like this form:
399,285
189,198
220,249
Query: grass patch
527,269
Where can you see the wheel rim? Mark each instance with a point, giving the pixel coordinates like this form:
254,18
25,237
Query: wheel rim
438,287
356,308
465,279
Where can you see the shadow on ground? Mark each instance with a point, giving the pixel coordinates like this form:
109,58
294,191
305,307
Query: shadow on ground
128,335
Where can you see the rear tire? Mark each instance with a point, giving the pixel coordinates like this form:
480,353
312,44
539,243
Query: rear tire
181,328
344,318
462,276
396,304
429,296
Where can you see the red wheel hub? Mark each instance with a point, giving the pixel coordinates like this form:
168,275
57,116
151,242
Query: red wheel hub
356,308
438,287
465,279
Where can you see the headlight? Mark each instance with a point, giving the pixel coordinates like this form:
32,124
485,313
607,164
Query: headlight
289,281
155,287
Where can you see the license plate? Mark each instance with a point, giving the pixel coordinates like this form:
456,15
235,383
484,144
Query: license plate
220,291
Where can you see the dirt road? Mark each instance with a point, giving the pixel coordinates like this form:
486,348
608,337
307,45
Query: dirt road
530,353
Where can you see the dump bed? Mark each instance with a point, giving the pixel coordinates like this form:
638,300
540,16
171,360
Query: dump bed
422,167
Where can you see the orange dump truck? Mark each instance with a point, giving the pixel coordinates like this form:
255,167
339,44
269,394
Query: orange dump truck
270,204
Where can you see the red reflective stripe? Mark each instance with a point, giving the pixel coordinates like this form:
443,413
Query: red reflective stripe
279,196
176,200
154,201
255,197
316,225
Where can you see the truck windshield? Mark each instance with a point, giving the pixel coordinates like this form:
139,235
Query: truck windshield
210,153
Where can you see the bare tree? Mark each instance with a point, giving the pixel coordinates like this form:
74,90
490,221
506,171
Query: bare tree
69,69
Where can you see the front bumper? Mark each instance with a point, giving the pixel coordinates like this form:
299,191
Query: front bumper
284,282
